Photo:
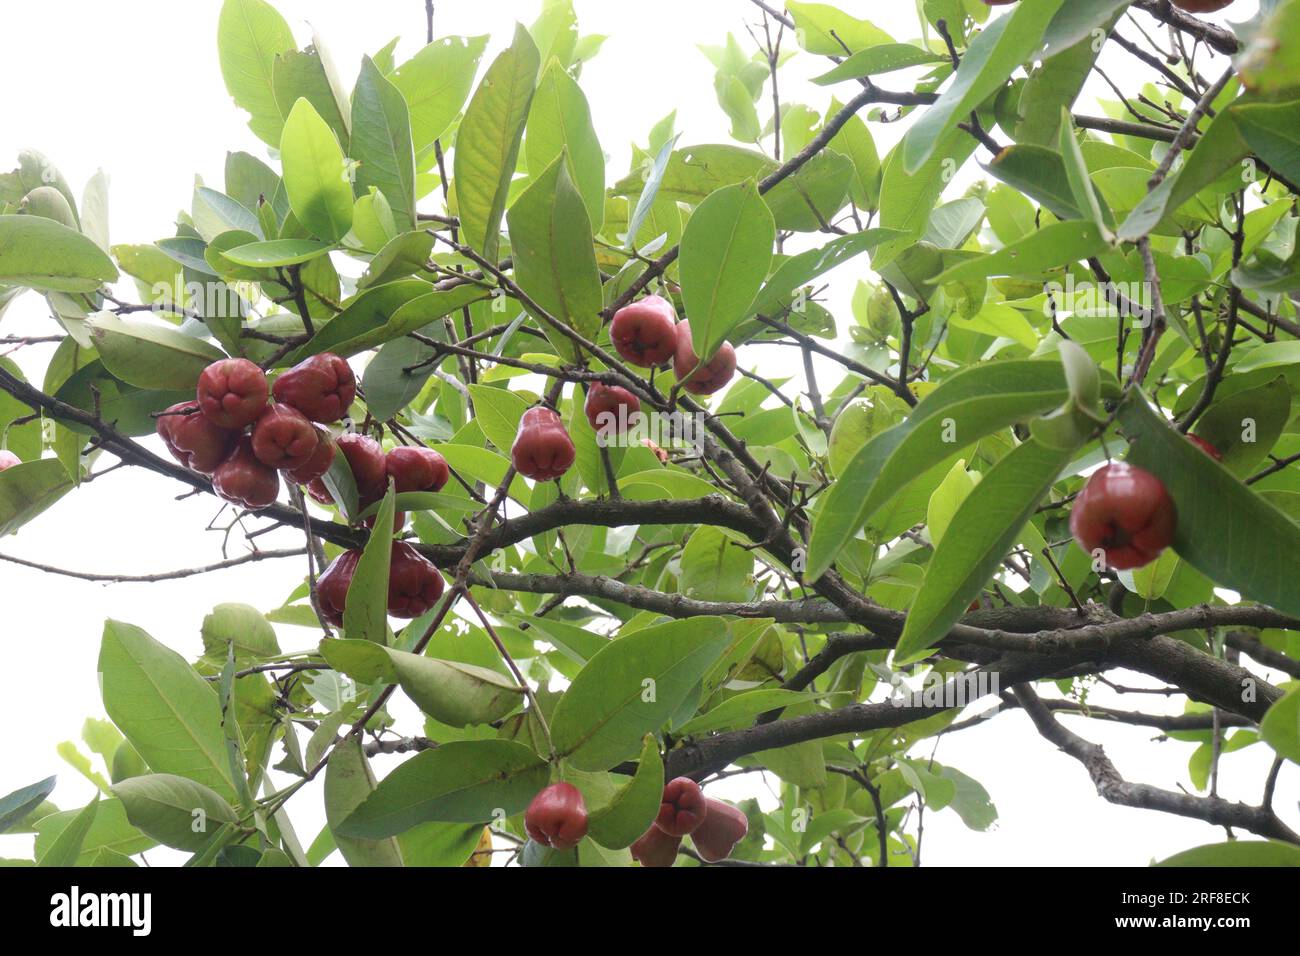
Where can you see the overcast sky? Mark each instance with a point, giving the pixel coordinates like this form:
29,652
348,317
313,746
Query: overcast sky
134,88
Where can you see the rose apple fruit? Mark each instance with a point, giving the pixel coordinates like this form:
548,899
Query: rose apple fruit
319,462
243,480
542,449
232,393
644,332
284,439
1127,513
332,586
682,809
557,817
723,827
655,848
1206,447
414,582
609,408
8,459
416,468
192,439
712,375
321,387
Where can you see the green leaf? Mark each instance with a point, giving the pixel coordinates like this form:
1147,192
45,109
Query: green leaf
471,781
694,172
970,800
885,58
1251,853
631,687
801,269
348,782
173,810
150,355
167,711
15,806
555,262
1076,171
249,35
308,74
401,257
988,522
826,30
381,143
315,174
453,692
1245,425
47,256
386,312
365,616
725,252
498,412
743,708
974,402
66,847
1269,62
559,124
435,83
714,568
277,252
28,489
1281,726
808,200
1053,246
621,822
1225,530
487,143
240,625
1272,130
907,200
994,55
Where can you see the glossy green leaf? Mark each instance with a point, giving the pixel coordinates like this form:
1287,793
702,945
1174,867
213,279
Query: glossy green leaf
435,83
315,174
622,820
148,354
250,33
487,143
555,263
173,810
348,782
47,256
459,782
559,124
987,524
631,687
28,489
365,617
725,252
381,143
971,404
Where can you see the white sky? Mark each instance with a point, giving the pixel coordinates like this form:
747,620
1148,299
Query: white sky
134,88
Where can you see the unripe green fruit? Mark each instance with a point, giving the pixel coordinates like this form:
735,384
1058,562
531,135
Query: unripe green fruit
48,203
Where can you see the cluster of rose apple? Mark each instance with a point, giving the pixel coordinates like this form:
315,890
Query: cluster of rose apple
557,818
236,433
646,334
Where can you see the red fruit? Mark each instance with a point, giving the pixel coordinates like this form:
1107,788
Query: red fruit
284,439
232,393
644,332
414,583
243,480
615,403
714,374
682,809
8,459
1206,447
724,826
656,848
416,468
557,817
1127,513
366,459
310,471
1201,6
321,387
317,491
192,439
542,448
332,586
